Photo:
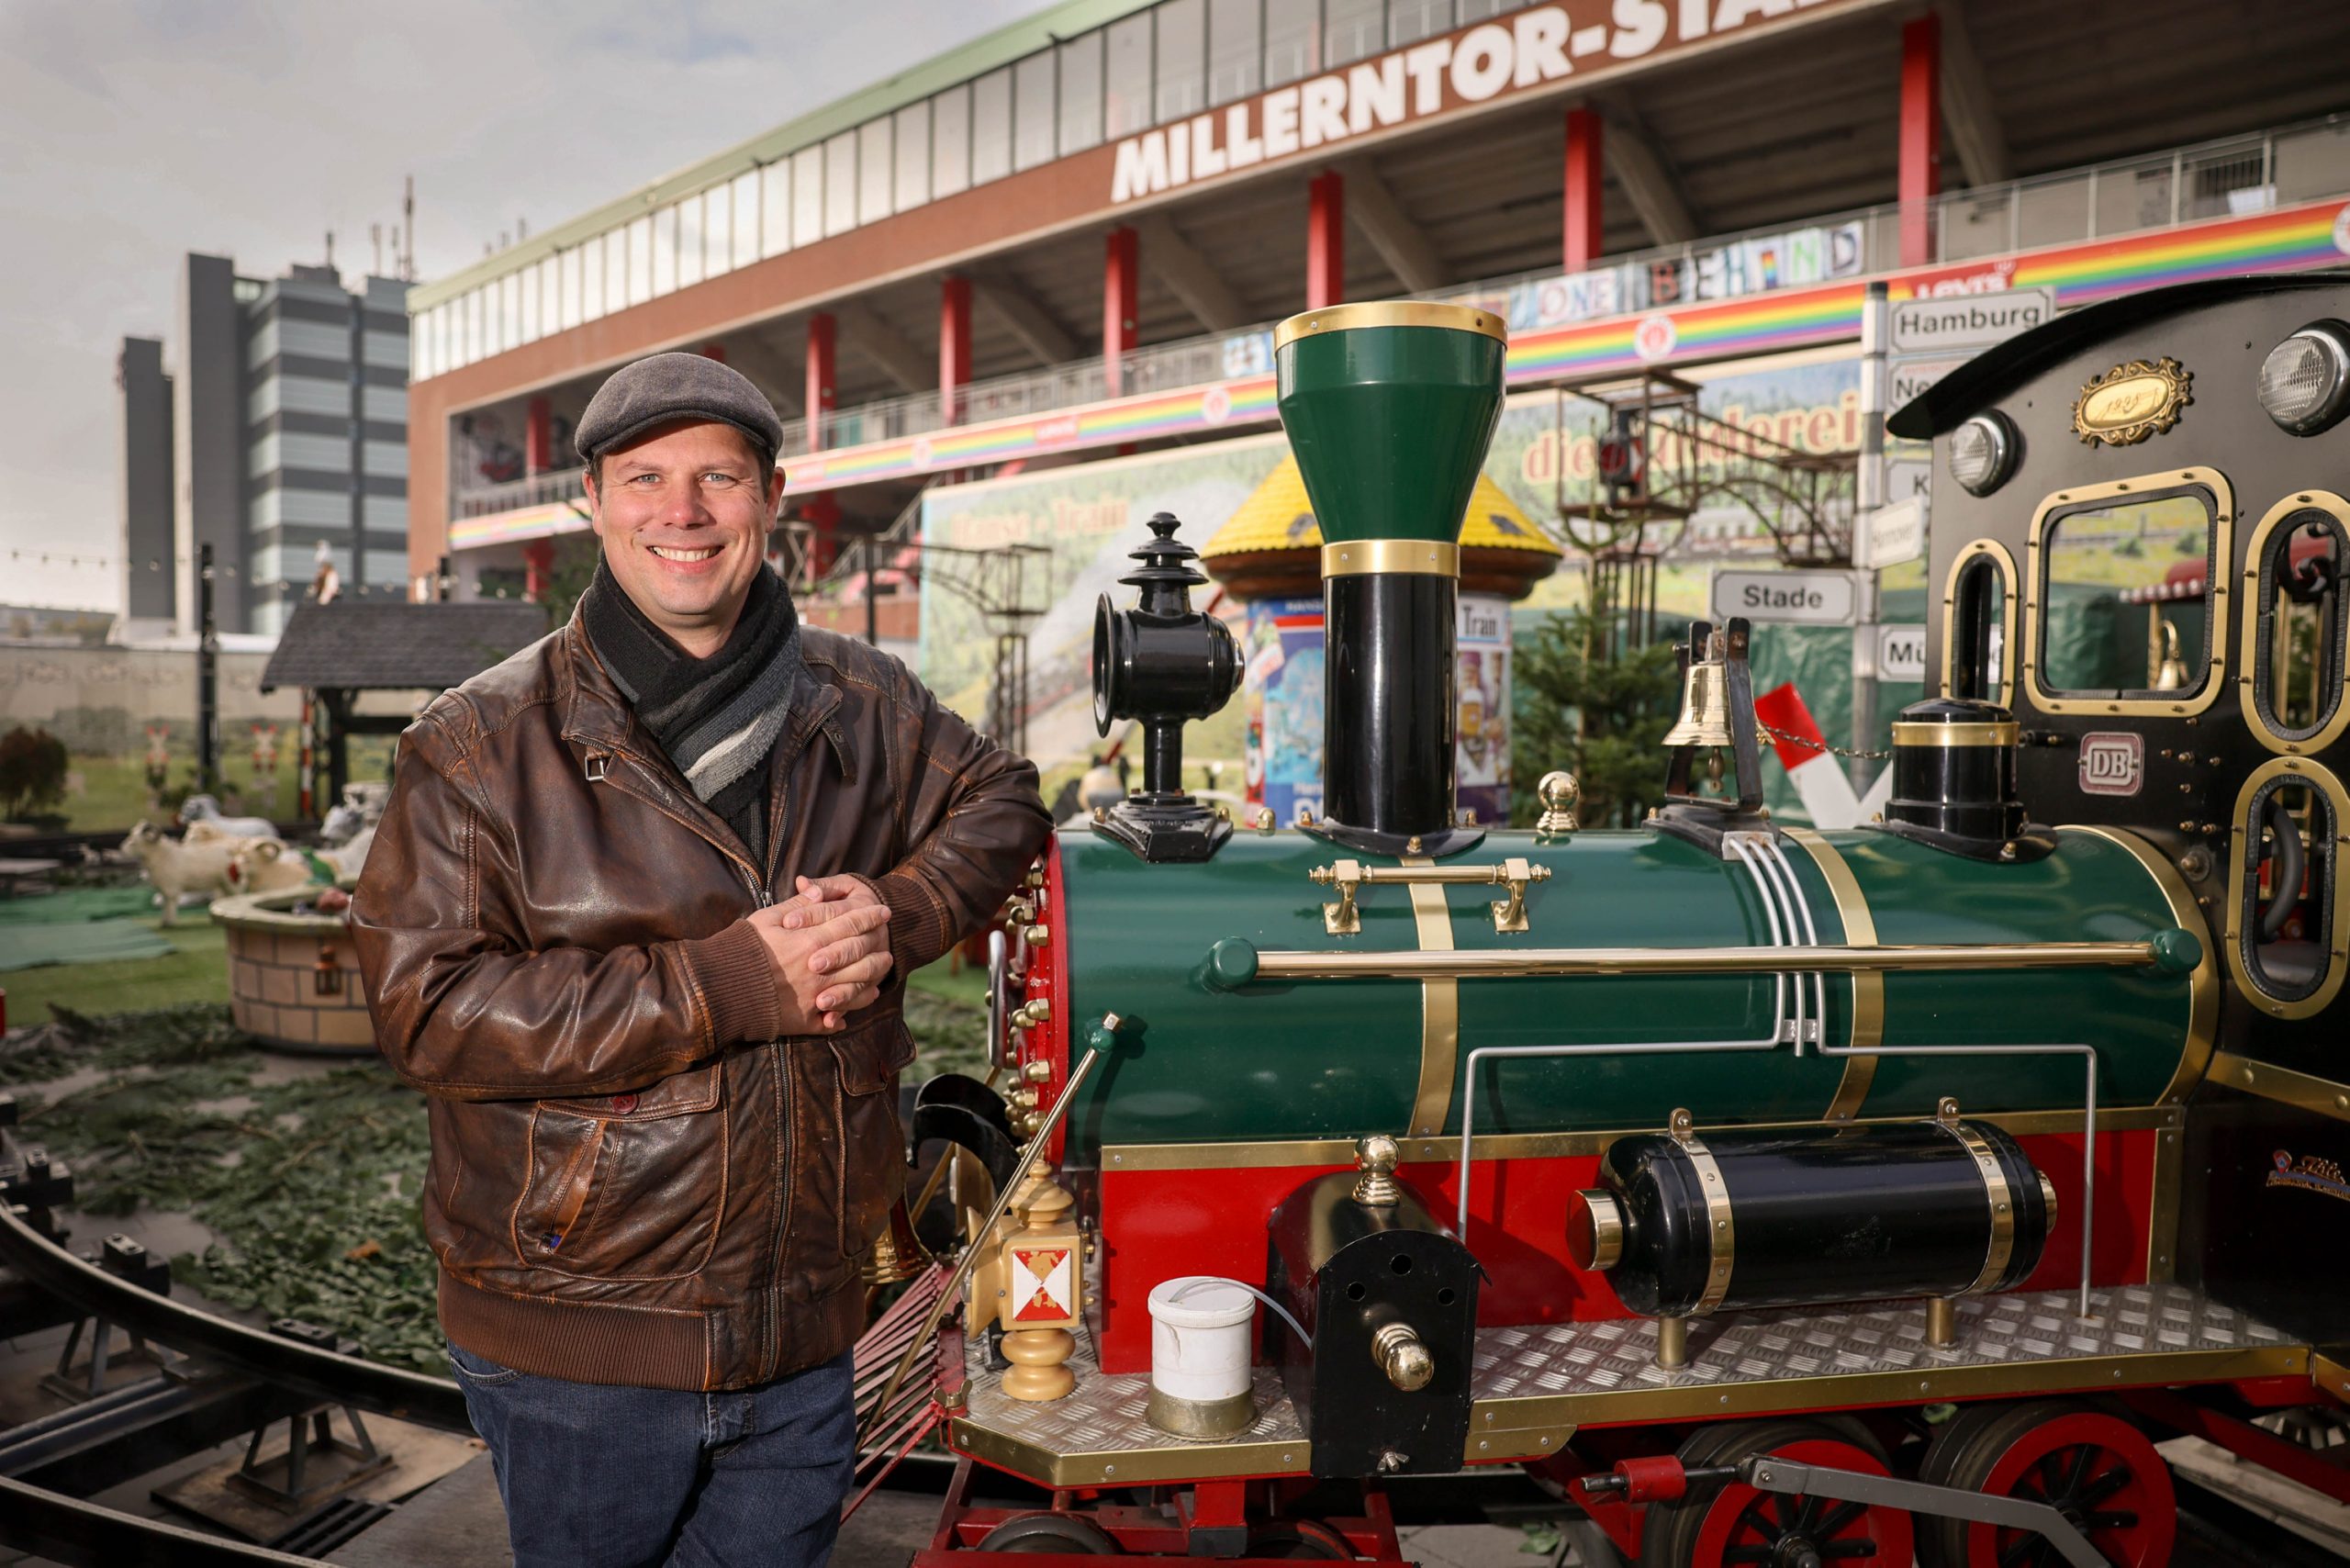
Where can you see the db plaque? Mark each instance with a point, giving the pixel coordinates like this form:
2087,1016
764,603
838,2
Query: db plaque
2112,763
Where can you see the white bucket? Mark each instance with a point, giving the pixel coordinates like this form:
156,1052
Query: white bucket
1199,1356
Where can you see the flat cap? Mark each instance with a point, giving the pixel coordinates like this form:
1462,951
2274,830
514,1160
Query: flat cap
665,387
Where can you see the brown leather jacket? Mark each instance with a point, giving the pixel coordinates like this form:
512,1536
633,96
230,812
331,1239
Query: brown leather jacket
634,1181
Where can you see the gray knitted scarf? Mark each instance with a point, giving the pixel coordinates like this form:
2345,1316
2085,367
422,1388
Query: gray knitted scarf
717,717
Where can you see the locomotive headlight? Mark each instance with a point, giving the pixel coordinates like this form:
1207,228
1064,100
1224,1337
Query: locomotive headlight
1983,452
2305,380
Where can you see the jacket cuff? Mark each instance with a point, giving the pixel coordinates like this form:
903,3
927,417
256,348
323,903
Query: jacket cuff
918,930
737,980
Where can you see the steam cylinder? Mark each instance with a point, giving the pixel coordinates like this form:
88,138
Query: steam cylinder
1732,1221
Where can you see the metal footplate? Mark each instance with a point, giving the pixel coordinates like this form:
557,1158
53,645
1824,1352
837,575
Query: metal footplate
1534,1385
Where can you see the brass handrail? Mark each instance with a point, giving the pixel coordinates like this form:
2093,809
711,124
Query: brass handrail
1234,961
1349,877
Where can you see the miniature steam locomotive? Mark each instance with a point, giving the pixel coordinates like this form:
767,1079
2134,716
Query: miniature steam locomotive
1776,1195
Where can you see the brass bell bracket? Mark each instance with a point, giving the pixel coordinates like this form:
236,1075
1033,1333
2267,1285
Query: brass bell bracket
1344,918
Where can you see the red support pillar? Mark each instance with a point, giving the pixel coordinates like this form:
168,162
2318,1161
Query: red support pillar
1921,136
821,510
954,345
1583,183
1326,241
1121,305
819,399
538,438
538,569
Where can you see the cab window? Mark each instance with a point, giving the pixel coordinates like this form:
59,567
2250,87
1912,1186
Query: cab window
2126,595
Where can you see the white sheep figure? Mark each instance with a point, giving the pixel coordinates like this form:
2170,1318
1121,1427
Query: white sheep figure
343,824
178,867
268,866
205,809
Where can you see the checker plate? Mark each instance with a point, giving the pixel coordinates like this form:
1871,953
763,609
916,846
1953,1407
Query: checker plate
1533,1385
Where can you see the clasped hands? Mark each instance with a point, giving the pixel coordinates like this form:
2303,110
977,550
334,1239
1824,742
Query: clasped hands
829,944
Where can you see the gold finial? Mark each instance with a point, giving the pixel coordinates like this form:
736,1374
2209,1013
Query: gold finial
1375,1157
1412,844
1559,793
1264,819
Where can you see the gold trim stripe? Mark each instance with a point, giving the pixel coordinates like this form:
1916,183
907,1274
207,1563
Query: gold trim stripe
2203,984
1868,989
2002,732
2003,1208
2282,1084
1391,557
1389,313
1291,1153
1723,1227
1440,1011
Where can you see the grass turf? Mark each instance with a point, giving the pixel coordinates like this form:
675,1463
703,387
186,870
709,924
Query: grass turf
197,970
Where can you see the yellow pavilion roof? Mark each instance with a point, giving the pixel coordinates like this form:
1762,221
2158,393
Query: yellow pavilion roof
1278,517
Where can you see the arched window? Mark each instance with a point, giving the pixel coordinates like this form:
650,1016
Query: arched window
1978,625
2285,926
2295,624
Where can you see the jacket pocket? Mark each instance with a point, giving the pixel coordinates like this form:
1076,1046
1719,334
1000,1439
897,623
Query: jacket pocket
871,1147
626,1186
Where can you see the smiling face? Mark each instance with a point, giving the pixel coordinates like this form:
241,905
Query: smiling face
683,513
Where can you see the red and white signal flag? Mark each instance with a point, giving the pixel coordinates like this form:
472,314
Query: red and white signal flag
1816,773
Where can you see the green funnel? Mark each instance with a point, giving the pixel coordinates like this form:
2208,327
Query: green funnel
1390,409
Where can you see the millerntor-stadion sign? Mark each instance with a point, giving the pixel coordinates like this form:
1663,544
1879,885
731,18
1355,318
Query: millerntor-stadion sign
1422,80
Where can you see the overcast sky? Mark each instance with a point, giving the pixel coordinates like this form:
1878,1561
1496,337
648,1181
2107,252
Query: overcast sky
132,131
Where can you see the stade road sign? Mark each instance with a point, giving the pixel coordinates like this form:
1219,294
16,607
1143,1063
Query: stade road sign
1968,321
1901,653
1803,598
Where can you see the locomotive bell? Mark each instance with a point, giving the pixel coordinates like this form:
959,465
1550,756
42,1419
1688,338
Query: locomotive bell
1704,706
1389,410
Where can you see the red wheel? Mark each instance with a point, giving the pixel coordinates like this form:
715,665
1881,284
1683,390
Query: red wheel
2098,1469
1735,1523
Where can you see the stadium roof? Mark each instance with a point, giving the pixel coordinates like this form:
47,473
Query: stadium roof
1017,41
358,646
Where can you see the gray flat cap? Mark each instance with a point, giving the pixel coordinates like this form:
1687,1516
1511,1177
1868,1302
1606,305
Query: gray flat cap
665,387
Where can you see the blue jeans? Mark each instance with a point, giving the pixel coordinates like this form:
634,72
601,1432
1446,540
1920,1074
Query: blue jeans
603,1477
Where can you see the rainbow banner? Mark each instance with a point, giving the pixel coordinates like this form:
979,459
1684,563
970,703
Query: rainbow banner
519,525
2296,238
1218,406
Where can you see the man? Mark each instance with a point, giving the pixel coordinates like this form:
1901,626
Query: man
663,1097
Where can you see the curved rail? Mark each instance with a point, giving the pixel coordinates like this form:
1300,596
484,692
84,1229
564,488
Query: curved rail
285,1363
67,1529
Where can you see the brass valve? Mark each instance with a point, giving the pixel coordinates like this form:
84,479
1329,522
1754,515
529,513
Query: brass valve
1397,1349
1375,1157
1559,793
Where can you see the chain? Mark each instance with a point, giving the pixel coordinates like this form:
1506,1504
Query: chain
1768,734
